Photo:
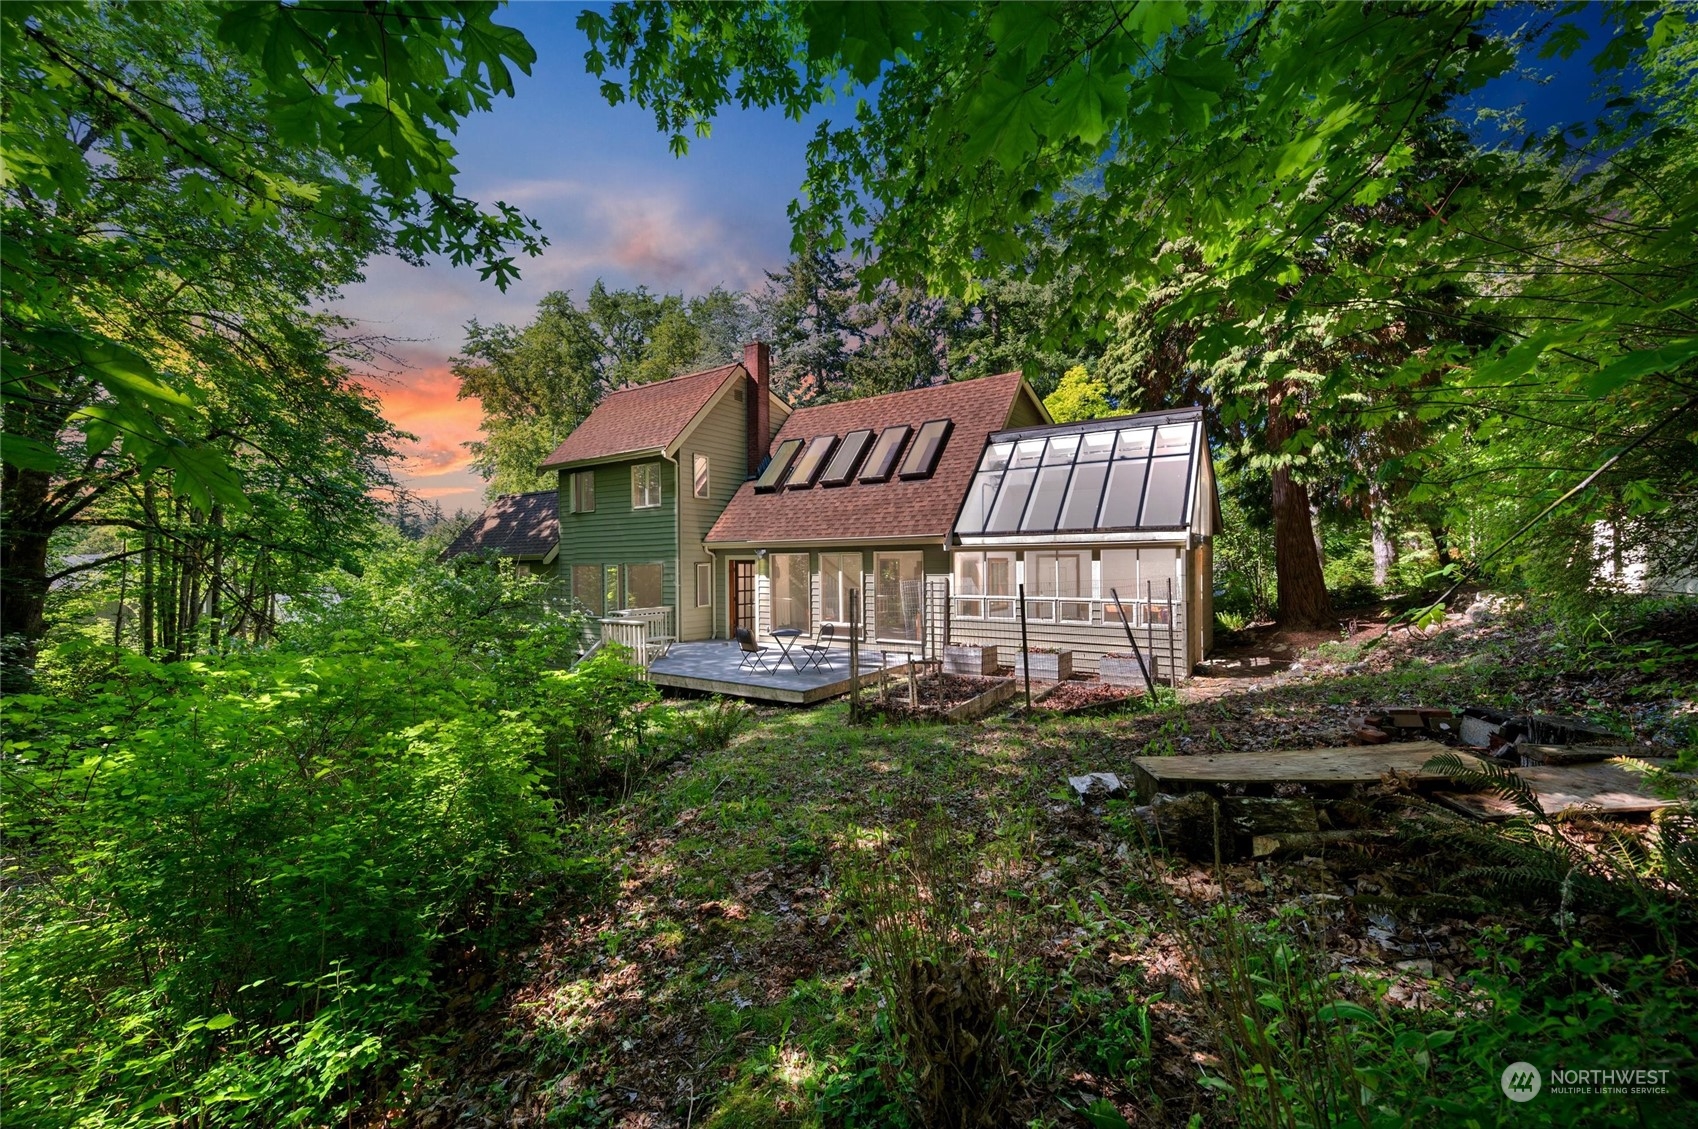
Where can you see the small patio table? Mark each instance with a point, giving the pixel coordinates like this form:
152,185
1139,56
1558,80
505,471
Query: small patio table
786,638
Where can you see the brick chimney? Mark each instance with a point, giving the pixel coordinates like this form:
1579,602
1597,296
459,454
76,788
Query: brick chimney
757,359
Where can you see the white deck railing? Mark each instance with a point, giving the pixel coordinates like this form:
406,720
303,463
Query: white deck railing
645,632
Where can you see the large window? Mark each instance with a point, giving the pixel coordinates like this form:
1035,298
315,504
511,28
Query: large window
701,475
583,492
642,585
1147,581
840,575
1052,578
980,578
789,595
586,588
645,486
898,593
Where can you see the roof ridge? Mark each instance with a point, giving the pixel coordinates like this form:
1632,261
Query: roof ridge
527,494
674,379
909,391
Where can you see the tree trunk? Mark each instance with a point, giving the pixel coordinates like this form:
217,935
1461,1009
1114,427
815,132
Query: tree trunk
23,571
149,551
1385,541
1303,600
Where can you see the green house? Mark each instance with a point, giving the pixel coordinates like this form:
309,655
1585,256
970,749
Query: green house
644,477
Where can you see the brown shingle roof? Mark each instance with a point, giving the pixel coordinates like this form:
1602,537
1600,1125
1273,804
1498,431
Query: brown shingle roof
915,510
646,417
514,525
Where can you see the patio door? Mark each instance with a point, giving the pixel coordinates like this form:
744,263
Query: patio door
742,601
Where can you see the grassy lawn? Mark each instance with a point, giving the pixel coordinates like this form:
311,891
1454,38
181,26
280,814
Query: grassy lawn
725,973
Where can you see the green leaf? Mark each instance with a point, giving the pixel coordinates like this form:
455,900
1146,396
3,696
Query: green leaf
1639,364
28,454
1347,1011
220,1022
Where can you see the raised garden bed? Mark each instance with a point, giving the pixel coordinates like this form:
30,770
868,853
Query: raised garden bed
1077,696
945,697
1121,670
968,659
1047,666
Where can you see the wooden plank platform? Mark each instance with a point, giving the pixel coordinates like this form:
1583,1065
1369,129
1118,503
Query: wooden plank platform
712,667
1608,787
1353,765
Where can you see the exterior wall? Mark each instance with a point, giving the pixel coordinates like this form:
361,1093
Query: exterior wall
719,436
1024,413
1173,651
615,533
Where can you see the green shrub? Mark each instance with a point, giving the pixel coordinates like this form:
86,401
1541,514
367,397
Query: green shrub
245,872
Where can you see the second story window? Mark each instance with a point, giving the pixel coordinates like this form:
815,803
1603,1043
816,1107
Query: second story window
701,469
583,492
645,486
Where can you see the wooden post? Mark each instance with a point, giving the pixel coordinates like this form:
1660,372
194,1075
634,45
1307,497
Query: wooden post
854,656
1149,679
1025,655
913,686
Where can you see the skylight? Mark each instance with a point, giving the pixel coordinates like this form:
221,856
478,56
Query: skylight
848,457
807,467
883,459
777,465
928,446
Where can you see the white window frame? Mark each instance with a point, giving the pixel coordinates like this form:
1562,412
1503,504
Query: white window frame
701,476
645,486
977,605
704,588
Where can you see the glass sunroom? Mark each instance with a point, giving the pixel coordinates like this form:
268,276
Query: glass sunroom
1102,525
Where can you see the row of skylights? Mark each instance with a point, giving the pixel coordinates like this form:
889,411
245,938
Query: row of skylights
1133,478
799,464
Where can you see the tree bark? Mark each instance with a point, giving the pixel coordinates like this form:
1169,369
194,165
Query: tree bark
149,550
23,569
1303,599
1385,545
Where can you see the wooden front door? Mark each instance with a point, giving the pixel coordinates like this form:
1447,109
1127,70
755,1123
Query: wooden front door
742,602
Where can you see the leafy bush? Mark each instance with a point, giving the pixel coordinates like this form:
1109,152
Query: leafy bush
240,879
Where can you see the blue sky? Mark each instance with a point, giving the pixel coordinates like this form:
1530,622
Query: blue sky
616,205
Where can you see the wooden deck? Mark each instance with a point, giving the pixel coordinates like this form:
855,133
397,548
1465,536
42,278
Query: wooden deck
712,667
1354,765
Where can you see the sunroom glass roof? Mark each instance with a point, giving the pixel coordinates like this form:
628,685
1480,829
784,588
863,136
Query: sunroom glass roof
1138,476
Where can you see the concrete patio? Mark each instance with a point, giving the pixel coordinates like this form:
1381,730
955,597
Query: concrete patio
713,667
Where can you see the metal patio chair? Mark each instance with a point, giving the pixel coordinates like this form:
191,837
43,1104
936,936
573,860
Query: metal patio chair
819,651
753,652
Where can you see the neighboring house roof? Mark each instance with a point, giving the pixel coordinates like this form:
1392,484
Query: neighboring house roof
641,419
514,525
921,509
1120,475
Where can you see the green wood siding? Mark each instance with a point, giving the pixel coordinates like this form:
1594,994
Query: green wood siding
615,533
719,436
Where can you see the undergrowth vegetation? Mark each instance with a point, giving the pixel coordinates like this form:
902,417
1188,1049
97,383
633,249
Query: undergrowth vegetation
238,883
